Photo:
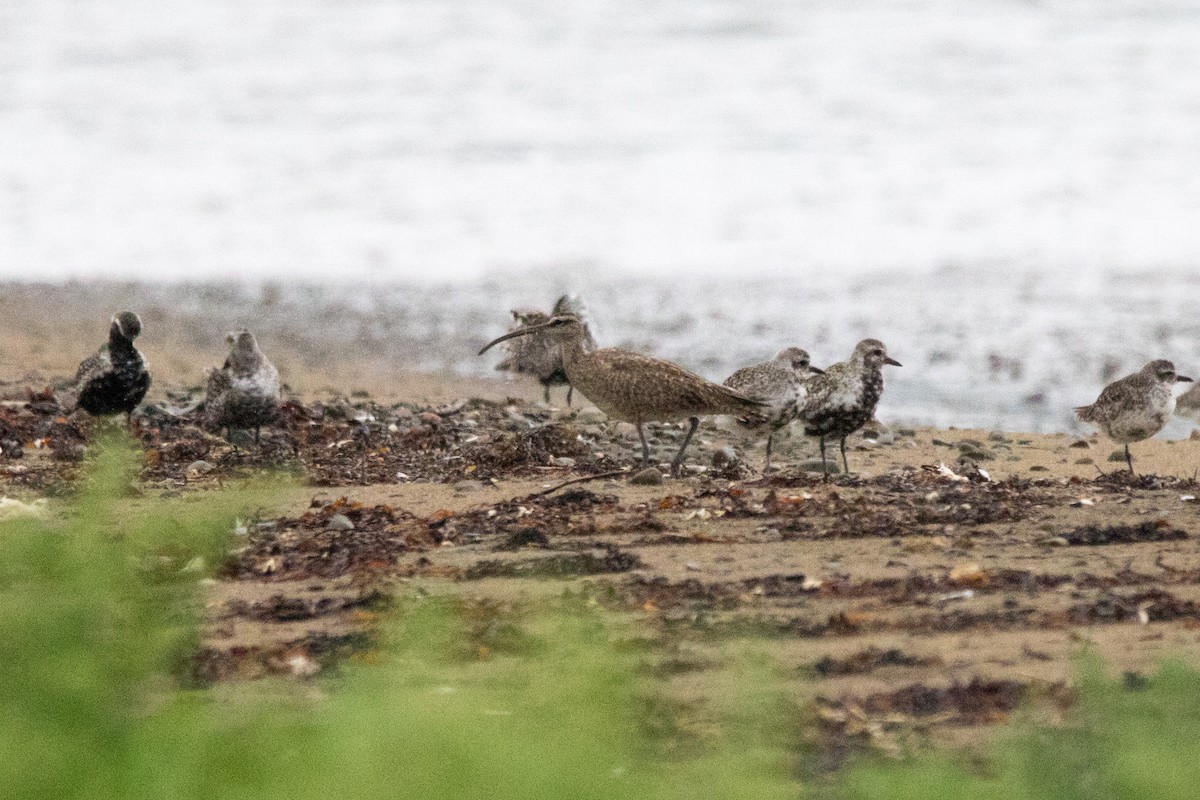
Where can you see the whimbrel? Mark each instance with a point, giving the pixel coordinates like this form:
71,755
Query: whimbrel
244,393
783,384
114,379
843,399
540,356
1135,407
636,388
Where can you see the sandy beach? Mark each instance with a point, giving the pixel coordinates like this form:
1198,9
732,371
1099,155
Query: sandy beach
955,577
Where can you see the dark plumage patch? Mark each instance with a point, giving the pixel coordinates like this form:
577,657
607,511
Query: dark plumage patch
115,379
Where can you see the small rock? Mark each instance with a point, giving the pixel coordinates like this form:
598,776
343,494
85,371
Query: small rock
340,522
562,461
725,457
1054,541
814,465
590,416
887,437
998,436
199,468
1080,443
626,430
650,476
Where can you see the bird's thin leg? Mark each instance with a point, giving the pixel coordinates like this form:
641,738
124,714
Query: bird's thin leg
645,447
824,463
675,465
546,393
570,391
257,432
767,468
845,464
1129,459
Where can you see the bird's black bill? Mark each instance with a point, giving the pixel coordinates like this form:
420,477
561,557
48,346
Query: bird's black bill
512,335
1183,379
892,361
816,371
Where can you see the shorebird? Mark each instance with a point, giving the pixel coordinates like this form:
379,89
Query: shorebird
244,392
1135,407
540,356
843,399
633,387
114,379
783,384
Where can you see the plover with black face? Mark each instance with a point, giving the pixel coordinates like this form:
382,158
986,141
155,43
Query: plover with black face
782,383
114,379
633,387
843,399
1135,407
540,356
244,393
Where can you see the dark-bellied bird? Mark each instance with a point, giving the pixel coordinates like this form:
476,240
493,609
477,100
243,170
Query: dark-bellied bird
540,356
633,387
782,383
1135,407
843,399
244,393
114,379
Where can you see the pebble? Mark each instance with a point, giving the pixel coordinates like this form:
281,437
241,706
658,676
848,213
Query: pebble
199,467
725,457
340,522
626,430
650,476
562,461
590,416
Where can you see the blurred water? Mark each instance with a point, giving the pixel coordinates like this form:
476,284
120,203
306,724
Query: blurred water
428,138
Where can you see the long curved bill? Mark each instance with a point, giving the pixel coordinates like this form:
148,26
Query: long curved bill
816,371
892,361
1183,379
512,335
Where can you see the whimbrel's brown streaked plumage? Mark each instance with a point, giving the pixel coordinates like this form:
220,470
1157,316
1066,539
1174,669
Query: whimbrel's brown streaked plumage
636,388
782,383
540,356
843,399
1135,407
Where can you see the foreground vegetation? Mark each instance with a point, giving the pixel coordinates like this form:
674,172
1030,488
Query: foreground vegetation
99,612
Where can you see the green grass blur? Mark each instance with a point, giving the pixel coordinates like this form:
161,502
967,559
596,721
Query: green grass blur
100,604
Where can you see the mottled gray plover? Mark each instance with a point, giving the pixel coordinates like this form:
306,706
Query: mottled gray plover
244,393
540,356
782,383
1135,407
843,399
114,379
636,388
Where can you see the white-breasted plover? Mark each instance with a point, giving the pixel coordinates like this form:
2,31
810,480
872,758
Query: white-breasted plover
244,393
1135,407
782,383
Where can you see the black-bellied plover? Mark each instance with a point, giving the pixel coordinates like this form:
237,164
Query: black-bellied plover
782,383
636,388
1135,407
114,379
244,393
843,399
540,356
